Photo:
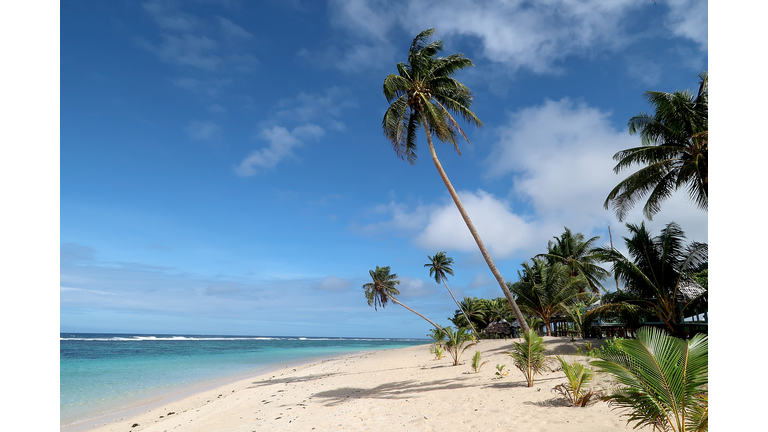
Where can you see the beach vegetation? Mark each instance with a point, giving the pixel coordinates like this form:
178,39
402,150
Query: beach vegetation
437,335
457,342
673,154
438,351
545,289
424,94
439,268
657,277
383,289
663,380
481,312
579,257
575,388
500,371
577,312
477,362
529,356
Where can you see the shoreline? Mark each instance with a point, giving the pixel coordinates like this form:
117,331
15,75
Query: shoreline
402,389
134,408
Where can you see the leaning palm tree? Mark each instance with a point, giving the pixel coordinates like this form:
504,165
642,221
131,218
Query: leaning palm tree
439,266
674,152
382,290
657,276
424,94
546,289
579,256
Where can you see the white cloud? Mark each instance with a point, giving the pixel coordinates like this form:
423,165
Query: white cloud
203,130
166,15
688,19
208,87
503,232
305,110
233,30
187,50
521,35
335,284
559,158
281,145
411,288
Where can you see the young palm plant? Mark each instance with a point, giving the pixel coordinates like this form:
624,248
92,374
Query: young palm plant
476,361
382,290
437,347
529,357
575,389
439,267
664,380
457,342
424,94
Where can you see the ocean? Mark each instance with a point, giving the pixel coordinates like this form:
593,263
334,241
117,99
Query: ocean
106,373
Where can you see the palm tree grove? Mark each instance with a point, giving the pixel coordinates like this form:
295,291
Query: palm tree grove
645,293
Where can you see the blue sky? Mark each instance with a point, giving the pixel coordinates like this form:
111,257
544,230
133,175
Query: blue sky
223,168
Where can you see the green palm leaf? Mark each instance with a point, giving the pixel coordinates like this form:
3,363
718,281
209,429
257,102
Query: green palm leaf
663,379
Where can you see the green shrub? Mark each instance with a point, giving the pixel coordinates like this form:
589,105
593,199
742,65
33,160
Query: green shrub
500,372
457,342
663,380
529,357
476,364
574,389
438,351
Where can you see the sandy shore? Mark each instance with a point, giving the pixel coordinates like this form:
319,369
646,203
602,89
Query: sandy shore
395,390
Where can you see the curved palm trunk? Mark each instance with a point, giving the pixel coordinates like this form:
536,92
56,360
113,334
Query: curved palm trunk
472,230
395,301
460,308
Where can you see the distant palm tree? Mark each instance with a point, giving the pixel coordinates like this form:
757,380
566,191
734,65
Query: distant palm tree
578,256
382,290
546,289
674,152
439,266
657,275
471,312
424,94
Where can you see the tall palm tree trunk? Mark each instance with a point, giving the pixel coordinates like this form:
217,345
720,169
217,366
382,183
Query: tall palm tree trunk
395,301
460,308
472,230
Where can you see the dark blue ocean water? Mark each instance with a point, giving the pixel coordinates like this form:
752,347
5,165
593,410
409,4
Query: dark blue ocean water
101,373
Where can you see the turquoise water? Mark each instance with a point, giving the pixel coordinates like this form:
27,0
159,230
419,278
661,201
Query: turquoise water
101,373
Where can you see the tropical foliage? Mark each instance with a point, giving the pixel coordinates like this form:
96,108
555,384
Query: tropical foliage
500,371
657,277
476,361
425,94
457,342
382,290
575,388
438,336
673,155
664,380
547,289
529,357
439,268
579,256
480,312
577,312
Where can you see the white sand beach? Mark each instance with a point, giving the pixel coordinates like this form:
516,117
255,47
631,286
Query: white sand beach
395,390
